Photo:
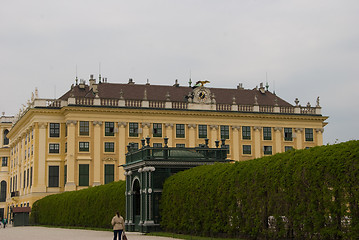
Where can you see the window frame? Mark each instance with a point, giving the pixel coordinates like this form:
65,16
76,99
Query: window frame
133,129
224,129
53,176
84,128
288,134
309,134
267,150
202,131
157,129
54,130
108,146
246,133
109,129
180,131
84,175
52,150
247,151
85,147
267,133
109,177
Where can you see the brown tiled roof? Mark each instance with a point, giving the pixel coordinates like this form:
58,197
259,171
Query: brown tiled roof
177,94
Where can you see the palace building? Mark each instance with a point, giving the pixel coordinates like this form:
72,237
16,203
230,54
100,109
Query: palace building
80,139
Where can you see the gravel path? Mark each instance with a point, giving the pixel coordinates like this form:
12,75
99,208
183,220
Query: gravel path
42,233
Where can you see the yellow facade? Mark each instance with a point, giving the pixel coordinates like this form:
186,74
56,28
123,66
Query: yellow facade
64,145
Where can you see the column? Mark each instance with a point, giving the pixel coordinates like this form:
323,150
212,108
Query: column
299,138
236,147
214,135
39,173
257,142
278,139
169,133
319,132
1,137
121,146
71,143
192,135
96,153
149,196
146,129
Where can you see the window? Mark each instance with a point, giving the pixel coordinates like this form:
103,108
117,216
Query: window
287,148
109,147
54,148
267,150
180,131
53,176
247,149
224,132
4,161
24,179
157,145
84,175
157,130
6,140
309,134
109,129
65,175
133,129
180,145
134,146
267,133
65,147
30,176
27,179
3,191
109,173
288,135
202,131
84,146
84,128
246,133
54,129
227,147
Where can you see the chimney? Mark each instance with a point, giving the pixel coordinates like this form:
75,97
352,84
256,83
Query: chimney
82,84
240,86
176,83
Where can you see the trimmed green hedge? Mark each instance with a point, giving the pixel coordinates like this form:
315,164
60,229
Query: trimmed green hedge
301,194
92,207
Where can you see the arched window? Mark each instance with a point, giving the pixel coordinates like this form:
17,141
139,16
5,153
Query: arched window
3,191
6,140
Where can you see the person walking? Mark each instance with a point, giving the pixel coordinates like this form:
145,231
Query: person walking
118,226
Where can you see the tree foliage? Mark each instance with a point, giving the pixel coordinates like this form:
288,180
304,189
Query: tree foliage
92,207
300,194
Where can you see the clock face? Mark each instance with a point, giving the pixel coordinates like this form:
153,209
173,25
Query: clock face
202,95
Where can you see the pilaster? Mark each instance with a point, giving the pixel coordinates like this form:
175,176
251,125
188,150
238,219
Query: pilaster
214,135
146,129
122,143
257,141
319,132
39,176
278,139
71,138
97,153
192,135
169,133
235,137
299,137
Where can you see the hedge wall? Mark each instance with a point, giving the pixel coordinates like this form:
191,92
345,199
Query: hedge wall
92,207
300,194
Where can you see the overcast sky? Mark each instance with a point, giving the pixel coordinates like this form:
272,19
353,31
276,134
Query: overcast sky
308,48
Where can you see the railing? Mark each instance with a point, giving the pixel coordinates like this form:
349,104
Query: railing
245,108
223,107
5,119
179,105
173,154
157,104
162,104
84,101
133,103
109,102
266,109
